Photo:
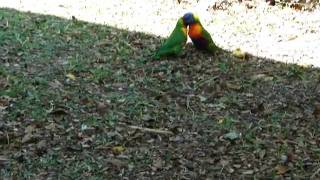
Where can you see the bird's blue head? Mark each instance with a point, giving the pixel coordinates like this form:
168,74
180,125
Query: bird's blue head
189,18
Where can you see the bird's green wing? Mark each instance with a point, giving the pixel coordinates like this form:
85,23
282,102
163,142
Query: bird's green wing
212,47
176,41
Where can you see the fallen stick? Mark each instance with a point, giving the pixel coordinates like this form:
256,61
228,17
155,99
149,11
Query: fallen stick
315,173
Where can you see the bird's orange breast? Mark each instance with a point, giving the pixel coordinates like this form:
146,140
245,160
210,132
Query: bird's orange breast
195,31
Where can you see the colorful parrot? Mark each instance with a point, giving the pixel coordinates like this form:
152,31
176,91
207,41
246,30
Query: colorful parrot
199,36
176,41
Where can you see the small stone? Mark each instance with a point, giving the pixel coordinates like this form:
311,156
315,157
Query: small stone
248,172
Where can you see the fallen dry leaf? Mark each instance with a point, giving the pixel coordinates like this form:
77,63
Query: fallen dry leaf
258,109
3,104
3,160
118,149
104,42
59,111
29,134
248,172
51,126
42,145
262,153
292,37
233,86
102,108
117,163
157,164
263,77
27,138
30,129
231,135
71,76
281,169
55,84
316,111
239,53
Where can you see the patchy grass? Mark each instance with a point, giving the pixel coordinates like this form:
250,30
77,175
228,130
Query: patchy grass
84,100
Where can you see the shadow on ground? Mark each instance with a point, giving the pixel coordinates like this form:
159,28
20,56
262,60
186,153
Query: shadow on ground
83,100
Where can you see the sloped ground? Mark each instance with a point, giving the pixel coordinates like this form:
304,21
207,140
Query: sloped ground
80,100
284,35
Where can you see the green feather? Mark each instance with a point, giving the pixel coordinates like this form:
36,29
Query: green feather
175,43
212,47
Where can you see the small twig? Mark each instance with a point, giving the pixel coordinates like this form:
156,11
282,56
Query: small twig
221,170
188,106
158,131
315,173
8,138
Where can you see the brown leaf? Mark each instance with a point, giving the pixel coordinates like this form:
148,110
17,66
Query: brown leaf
233,86
29,134
258,109
224,162
271,2
42,145
137,43
4,23
262,154
51,126
55,84
86,101
3,83
30,129
157,164
86,142
3,160
281,169
104,42
292,37
117,163
102,108
296,6
3,104
59,111
263,77
316,111
27,138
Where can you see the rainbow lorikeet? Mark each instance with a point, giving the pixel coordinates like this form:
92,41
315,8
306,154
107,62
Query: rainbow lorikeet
176,41
199,36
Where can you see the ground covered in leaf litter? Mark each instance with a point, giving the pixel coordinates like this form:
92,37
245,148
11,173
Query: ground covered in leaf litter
277,32
80,100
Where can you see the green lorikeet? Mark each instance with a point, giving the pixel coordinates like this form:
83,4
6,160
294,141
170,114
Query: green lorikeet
199,36
176,41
